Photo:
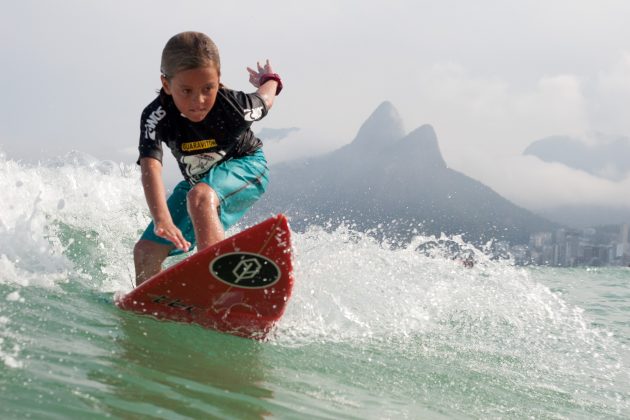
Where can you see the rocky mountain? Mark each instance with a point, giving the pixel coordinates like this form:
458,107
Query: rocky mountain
398,182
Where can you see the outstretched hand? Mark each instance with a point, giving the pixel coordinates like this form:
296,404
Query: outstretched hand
168,230
254,76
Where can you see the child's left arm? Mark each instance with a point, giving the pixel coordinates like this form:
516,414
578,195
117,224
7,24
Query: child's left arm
268,83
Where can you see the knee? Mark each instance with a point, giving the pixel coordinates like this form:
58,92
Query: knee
202,195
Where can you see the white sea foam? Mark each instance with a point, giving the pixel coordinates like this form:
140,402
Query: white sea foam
352,289
349,285
48,208
9,349
69,218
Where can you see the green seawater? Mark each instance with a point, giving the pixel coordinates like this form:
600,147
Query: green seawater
371,331
70,353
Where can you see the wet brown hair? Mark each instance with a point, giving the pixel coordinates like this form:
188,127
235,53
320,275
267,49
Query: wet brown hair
187,51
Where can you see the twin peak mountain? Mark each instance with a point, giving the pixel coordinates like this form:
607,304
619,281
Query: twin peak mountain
396,183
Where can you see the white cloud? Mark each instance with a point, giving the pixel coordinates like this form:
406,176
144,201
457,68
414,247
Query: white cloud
493,115
484,124
611,98
536,185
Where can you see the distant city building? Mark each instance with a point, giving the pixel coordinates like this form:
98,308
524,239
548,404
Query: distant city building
573,247
623,247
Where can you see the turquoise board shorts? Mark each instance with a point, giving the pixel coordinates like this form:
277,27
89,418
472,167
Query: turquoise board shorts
238,182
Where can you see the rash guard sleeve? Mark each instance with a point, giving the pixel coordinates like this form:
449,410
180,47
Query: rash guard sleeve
150,132
250,106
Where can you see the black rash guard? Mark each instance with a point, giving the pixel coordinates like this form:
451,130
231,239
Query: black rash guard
225,132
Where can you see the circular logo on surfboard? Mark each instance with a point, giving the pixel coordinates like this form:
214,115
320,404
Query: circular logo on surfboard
244,269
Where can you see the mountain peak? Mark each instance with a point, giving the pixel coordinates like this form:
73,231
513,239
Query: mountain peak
390,176
421,146
384,124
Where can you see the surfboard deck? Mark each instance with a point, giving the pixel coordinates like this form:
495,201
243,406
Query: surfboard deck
238,286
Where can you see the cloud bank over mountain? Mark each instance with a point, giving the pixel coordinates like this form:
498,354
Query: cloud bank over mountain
605,158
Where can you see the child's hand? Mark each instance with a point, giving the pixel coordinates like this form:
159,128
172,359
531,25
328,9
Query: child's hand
254,76
168,230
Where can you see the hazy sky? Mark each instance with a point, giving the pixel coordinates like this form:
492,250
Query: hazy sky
491,76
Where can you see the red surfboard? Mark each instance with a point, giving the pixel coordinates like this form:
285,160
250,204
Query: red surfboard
239,286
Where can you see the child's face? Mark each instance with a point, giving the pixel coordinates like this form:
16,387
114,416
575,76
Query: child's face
194,91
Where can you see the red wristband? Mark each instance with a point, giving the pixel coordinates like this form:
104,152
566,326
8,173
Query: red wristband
272,76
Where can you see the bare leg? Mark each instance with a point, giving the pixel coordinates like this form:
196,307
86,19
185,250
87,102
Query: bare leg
148,257
203,205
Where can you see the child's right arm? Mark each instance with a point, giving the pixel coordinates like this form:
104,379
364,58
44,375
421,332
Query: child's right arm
154,192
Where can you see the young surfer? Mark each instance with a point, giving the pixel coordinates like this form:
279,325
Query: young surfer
207,128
